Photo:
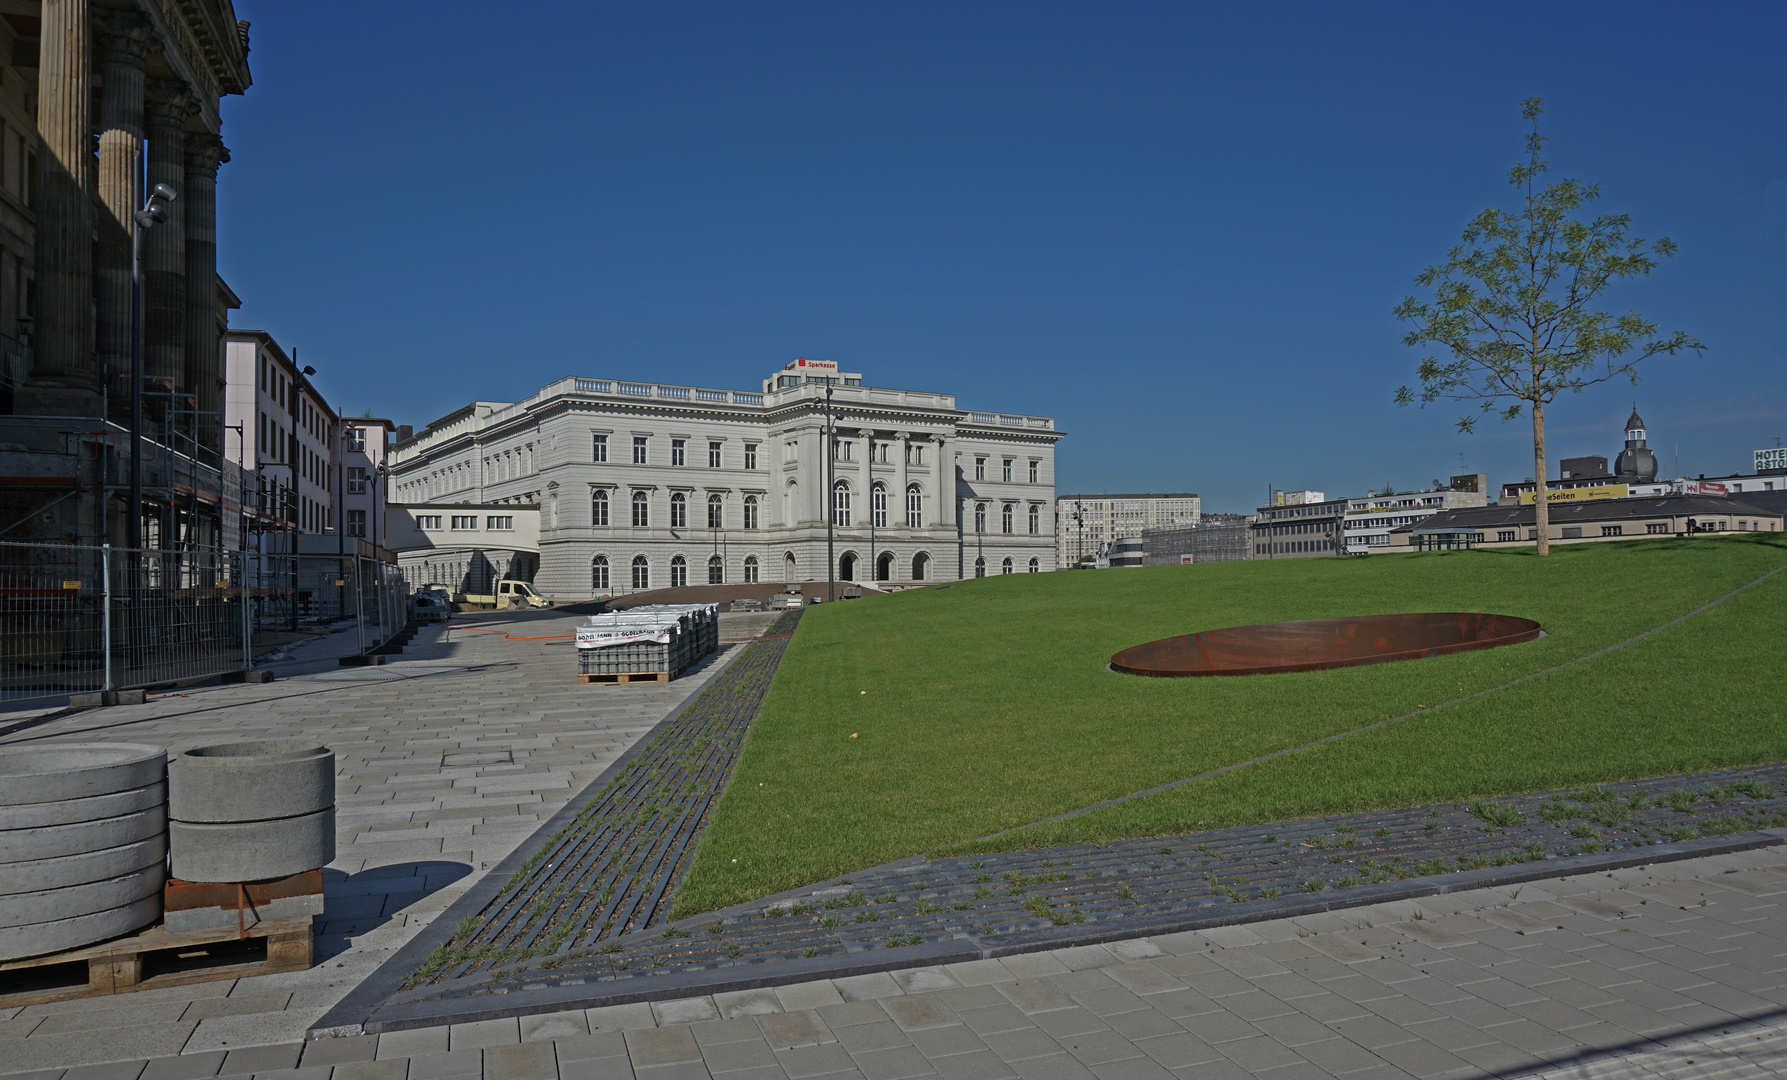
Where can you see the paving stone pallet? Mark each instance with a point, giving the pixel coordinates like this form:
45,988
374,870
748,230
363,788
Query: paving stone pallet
1096,889
611,870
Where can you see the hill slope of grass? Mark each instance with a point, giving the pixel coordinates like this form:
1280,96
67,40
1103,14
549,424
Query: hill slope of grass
987,705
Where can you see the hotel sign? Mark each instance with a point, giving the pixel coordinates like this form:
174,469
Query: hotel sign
1581,494
1774,458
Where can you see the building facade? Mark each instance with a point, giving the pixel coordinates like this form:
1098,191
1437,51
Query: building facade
98,100
1303,524
361,489
1370,520
644,485
463,547
1205,543
1596,521
1087,525
287,436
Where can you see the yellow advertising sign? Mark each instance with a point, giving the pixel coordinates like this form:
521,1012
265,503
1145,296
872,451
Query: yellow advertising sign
1581,494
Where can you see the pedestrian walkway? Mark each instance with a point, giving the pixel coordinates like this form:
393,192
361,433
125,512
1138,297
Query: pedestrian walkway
1673,970
448,757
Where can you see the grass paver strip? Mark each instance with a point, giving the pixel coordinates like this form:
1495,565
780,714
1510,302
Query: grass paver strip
990,896
608,872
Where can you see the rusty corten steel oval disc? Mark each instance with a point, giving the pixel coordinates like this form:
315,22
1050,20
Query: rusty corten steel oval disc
1313,644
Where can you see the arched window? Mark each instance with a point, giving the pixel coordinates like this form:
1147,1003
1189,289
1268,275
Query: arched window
598,573
791,504
915,510
1035,566
980,517
750,511
642,573
980,567
878,505
598,508
840,504
641,515
716,571
713,511
789,567
679,572
1005,518
884,566
751,568
1005,567
679,514
1035,518
920,563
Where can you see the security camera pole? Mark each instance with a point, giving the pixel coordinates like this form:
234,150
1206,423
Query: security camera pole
153,212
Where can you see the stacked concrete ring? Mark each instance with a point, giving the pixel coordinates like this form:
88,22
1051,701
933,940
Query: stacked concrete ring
251,811
83,842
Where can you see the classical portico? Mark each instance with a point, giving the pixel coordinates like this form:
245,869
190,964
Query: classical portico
124,92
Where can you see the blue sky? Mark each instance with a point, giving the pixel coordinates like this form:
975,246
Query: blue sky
1179,229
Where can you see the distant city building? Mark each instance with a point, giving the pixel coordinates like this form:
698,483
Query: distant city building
1590,477
645,485
1369,520
1299,526
1590,521
286,441
1210,541
1086,525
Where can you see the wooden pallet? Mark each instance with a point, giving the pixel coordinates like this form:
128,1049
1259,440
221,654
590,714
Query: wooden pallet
625,677
119,966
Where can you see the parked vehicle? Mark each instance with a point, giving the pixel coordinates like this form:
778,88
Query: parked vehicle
427,607
508,594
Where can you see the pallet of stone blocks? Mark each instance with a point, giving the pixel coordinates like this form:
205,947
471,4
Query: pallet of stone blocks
651,643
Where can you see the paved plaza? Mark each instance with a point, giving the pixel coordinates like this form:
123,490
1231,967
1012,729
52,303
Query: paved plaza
1674,970
448,757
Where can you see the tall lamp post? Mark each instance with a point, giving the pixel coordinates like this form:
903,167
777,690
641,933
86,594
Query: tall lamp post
154,212
869,471
830,503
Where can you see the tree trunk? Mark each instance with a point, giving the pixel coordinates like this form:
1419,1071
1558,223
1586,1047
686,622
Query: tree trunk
1541,508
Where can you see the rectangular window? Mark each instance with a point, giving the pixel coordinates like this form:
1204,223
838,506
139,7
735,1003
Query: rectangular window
792,454
1506,536
750,455
1613,530
713,455
639,449
677,447
980,468
428,521
1033,472
465,522
1655,527
500,524
840,450
1007,472
356,480
600,452
1572,532
356,437
356,523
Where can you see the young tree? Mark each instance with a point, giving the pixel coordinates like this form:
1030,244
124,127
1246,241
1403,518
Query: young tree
1512,305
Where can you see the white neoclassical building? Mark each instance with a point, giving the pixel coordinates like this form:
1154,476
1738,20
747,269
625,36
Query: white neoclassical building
646,485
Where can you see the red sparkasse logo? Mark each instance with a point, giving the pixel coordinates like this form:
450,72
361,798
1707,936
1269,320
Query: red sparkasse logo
817,365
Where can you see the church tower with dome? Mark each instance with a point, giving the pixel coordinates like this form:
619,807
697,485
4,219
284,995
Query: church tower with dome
1635,462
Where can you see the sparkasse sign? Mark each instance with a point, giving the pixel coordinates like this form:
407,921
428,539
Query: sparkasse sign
817,367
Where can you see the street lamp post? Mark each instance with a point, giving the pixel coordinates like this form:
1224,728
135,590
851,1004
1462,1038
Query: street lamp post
869,471
830,503
154,211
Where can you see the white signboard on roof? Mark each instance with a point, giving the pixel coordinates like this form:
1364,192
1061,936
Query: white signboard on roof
816,367
1773,458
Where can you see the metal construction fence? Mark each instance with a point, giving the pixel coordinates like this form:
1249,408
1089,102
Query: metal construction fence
77,619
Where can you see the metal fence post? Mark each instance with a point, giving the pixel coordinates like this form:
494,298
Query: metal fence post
359,609
105,619
241,561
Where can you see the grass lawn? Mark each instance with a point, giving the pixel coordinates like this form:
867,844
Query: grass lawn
987,705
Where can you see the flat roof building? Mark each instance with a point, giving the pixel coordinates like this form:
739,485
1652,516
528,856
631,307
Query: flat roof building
1087,525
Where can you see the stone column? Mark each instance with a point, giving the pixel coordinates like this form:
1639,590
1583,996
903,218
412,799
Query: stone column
204,361
899,449
167,105
124,39
62,363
